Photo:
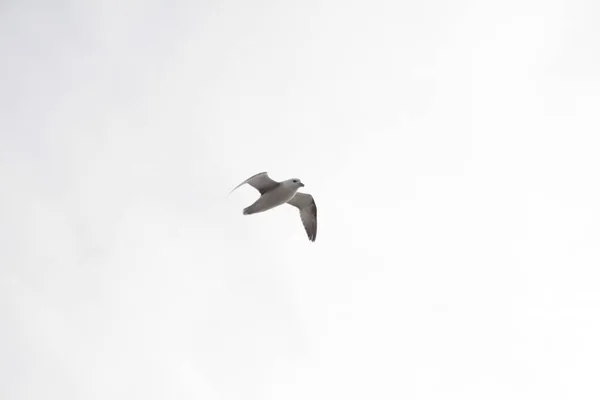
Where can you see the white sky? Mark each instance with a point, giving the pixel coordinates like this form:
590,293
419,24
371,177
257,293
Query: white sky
452,149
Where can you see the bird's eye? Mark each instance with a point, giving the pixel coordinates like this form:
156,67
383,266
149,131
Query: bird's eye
295,181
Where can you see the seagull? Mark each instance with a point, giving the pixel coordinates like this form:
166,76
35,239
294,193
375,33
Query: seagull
273,194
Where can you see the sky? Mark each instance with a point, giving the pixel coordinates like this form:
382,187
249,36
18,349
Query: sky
451,148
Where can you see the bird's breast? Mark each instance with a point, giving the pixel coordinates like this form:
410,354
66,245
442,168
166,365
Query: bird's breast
274,198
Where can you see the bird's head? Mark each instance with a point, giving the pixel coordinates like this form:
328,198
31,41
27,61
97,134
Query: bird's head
295,183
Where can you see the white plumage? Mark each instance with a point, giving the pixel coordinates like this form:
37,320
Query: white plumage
275,193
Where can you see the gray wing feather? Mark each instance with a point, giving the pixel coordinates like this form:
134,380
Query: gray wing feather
261,182
308,213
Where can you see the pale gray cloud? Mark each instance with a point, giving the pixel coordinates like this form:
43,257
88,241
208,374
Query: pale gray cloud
461,263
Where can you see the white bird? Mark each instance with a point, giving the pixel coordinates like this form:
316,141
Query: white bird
273,194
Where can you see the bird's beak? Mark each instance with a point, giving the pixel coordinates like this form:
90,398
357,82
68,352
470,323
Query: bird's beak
301,184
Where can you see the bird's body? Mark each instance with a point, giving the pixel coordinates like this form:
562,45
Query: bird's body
271,199
274,194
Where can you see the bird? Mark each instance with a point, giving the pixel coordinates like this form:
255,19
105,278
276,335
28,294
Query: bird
274,194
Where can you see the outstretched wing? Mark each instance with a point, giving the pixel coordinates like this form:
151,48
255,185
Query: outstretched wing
308,213
260,182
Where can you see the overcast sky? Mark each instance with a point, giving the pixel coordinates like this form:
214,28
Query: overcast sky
452,149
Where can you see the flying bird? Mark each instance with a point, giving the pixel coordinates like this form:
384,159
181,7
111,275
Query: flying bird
273,194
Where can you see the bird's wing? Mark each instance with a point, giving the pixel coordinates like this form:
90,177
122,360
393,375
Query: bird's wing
260,182
308,213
